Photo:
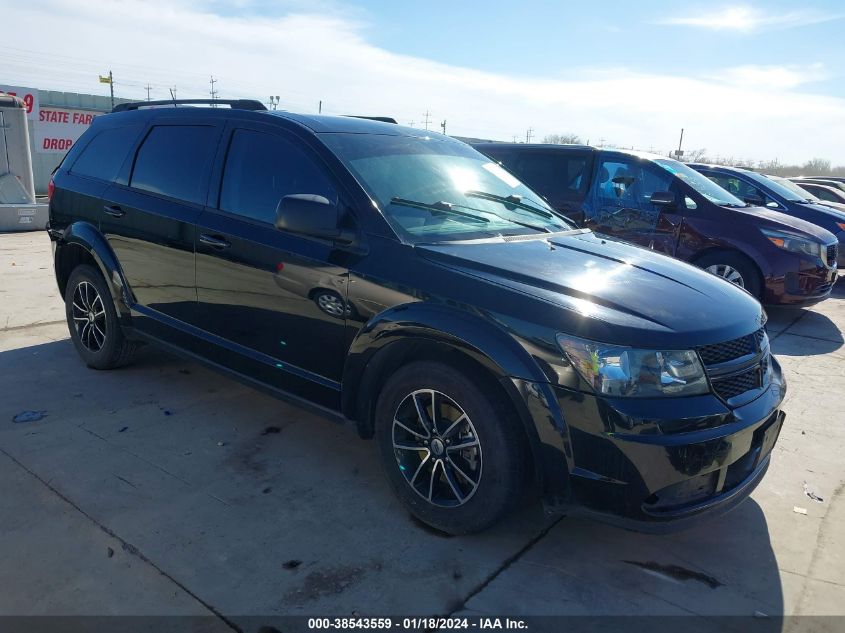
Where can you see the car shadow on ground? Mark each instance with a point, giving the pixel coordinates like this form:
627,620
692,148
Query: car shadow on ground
261,508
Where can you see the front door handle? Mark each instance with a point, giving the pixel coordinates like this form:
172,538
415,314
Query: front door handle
114,211
214,242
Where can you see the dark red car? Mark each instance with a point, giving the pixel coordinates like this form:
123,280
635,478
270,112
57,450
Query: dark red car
664,205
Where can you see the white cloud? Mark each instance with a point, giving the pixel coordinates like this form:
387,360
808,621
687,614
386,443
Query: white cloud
789,76
746,18
750,112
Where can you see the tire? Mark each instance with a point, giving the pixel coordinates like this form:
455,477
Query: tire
331,303
472,487
722,263
92,321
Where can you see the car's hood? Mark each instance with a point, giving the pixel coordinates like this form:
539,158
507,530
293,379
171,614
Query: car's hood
837,211
771,219
838,206
608,290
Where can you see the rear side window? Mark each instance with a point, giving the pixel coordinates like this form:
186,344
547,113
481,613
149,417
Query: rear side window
174,161
558,176
104,155
261,169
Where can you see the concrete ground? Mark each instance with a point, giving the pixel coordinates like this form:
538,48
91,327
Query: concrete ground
165,489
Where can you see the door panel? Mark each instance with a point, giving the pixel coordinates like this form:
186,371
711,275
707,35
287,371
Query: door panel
274,298
153,240
149,222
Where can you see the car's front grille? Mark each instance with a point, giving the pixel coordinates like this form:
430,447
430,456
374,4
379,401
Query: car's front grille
750,373
831,255
728,388
730,350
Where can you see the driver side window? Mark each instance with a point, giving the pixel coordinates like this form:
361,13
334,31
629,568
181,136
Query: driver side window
623,194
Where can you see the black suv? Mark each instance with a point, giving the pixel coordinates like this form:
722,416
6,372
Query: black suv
400,280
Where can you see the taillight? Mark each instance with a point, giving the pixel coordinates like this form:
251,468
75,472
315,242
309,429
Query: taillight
50,189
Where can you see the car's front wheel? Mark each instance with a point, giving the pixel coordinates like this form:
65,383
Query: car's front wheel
452,453
92,321
733,267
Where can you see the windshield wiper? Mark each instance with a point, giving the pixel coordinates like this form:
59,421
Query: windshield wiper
511,200
527,225
447,207
438,207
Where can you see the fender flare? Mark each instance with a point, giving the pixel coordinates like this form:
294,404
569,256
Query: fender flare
482,341
86,236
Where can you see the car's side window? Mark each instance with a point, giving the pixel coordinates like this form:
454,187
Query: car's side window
557,176
104,155
261,169
739,188
623,193
824,194
173,161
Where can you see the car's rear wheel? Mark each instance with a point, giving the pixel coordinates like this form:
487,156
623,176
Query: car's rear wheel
733,267
450,450
92,321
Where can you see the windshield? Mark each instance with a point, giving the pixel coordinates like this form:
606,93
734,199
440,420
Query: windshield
795,189
434,189
775,188
701,183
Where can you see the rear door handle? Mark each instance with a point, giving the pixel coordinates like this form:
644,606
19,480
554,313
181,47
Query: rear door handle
114,211
214,242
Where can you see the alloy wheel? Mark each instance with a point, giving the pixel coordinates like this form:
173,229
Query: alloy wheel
727,272
437,448
89,316
331,304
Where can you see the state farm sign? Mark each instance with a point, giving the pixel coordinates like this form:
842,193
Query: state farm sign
57,129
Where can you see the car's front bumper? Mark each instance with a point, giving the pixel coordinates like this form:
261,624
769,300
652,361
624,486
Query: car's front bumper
663,464
799,282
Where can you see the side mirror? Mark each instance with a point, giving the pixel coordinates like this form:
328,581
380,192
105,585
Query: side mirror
662,198
754,200
311,215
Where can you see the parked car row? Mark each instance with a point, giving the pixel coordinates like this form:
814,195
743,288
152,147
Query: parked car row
734,223
404,282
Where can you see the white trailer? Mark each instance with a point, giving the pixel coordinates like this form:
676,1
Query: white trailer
19,210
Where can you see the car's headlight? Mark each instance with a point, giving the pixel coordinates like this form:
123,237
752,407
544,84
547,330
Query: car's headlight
635,373
794,243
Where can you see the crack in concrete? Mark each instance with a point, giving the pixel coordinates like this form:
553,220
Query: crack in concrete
30,325
125,545
506,564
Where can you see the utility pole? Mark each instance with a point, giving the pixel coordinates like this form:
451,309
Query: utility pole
601,141
213,92
528,134
680,143
411,123
173,94
320,107
443,125
427,119
514,138
148,87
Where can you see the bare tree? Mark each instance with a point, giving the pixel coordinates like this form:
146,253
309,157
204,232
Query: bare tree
817,167
696,155
563,139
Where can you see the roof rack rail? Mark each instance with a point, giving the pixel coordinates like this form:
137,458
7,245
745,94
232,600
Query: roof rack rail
235,104
383,119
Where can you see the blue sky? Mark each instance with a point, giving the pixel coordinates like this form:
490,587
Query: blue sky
752,80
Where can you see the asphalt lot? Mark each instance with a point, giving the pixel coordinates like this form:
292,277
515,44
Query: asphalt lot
165,489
